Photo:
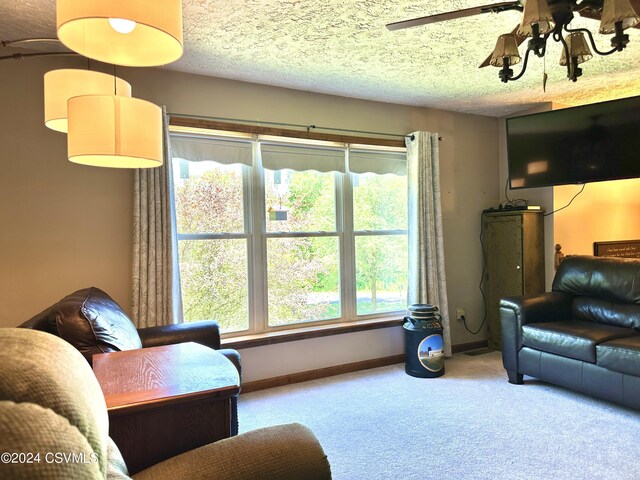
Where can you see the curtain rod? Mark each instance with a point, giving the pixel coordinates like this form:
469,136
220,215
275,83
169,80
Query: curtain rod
20,56
8,43
296,125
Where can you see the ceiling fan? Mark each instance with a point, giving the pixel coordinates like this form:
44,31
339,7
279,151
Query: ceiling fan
542,19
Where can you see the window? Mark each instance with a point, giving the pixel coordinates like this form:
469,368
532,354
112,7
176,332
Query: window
275,233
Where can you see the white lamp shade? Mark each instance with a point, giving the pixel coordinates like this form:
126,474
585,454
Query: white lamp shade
114,131
617,11
578,48
61,85
506,47
536,12
156,38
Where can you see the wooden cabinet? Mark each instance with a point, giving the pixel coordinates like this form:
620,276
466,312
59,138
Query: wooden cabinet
514,254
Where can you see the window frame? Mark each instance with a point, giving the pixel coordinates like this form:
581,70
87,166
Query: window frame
256,235
361,233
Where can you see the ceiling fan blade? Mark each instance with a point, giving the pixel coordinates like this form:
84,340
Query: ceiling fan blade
590,14
519,40
635,4
590,9
467,12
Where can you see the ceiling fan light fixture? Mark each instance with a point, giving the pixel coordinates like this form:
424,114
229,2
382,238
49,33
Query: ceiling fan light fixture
578,49
615,11
60,85
536,12
544,20
114,131
133,33
506,47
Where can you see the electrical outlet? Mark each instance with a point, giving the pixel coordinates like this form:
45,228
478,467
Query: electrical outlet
459,313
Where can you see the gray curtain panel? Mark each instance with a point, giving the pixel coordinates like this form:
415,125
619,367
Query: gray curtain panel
427,279
156,283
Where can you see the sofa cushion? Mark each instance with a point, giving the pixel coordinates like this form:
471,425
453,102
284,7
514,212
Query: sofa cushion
621,355
571,338
91,321
605,311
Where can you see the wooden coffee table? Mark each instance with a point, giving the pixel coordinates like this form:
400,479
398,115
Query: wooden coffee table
163,401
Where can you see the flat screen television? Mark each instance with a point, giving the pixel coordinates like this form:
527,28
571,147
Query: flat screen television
576,145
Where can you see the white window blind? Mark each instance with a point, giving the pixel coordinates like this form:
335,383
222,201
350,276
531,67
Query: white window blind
377,161
299,157
226,152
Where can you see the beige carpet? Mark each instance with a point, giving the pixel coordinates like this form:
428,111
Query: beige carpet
468,424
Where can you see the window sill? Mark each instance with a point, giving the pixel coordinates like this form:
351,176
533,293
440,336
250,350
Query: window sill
271,338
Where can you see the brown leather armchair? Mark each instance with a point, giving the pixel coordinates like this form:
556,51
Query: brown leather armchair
93,322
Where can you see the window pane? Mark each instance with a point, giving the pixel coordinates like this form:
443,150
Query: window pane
379,202
208,197
381,273
304,279
300,201
213,278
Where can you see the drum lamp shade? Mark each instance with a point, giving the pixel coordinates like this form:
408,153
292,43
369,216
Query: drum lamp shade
114,131
152,30
60,85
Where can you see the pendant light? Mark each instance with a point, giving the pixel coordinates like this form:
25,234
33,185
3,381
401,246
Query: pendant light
61,85
578,49
536,19
615,11
505,51
505,54
135,33
114,131
578,52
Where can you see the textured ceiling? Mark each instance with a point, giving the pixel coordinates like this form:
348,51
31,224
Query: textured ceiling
342,47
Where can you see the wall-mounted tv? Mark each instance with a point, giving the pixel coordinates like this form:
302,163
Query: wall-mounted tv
590,143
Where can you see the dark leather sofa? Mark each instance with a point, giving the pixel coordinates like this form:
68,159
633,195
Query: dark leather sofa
584,334
93,322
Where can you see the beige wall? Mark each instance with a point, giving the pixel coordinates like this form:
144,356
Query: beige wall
604,211
66,226
62,226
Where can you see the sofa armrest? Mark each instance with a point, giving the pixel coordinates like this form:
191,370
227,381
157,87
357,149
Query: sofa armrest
205,332
234,357
539,307
518,311
283,452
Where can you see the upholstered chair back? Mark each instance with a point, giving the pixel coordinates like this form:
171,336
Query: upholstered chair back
51,405
606,289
